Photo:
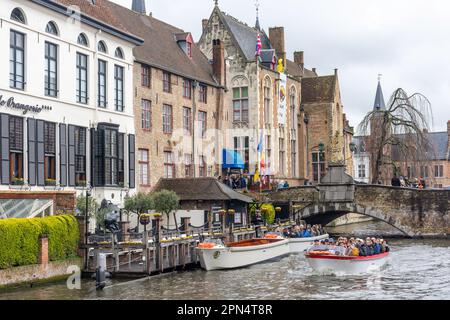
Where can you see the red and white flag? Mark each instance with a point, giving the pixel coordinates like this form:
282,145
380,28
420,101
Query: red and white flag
258,46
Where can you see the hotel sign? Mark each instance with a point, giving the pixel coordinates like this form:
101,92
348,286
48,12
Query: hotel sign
11,103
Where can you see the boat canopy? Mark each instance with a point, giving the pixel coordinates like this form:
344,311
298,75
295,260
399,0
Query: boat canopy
232,160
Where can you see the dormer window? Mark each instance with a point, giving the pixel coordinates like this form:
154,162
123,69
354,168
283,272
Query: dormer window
185,42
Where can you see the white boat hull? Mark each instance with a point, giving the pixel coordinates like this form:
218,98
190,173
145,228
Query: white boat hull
300,245
347,265
238,257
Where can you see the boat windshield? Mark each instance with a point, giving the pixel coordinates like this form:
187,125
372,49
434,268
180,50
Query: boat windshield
217,242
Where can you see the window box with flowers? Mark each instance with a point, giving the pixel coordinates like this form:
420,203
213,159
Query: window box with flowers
17,182
81,183
50,182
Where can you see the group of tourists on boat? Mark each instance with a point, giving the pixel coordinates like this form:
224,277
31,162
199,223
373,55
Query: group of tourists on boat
351,247
302,231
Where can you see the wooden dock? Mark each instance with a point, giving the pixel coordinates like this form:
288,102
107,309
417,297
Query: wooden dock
174,251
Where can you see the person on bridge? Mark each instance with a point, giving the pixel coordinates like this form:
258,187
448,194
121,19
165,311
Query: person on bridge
396,181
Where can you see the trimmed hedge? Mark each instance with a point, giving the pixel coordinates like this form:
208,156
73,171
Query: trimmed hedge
19,239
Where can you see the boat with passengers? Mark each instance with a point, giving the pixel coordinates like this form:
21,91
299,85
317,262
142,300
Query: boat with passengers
348,257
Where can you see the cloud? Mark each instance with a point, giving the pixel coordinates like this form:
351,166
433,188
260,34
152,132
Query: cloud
405,40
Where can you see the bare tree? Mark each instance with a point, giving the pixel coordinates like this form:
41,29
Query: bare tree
398,133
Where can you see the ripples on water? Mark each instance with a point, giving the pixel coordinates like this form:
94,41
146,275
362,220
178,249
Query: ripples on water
417,270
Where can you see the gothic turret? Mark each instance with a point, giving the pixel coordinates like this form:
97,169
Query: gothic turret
379,98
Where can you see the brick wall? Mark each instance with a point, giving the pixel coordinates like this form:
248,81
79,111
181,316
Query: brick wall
155,140
63,201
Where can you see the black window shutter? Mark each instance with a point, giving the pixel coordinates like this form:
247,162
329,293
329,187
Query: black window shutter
132,160
121,162
63,154
97,158
93,142
40,153
31,151
5,148
71,162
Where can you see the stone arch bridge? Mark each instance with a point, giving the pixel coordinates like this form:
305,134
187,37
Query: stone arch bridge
416,213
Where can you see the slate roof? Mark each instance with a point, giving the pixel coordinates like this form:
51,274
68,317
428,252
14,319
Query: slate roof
206,189
318,89
379,99
160,48
295,70
439,147
245,36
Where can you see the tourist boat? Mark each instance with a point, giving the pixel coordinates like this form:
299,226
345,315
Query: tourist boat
300,245
217,256
325,262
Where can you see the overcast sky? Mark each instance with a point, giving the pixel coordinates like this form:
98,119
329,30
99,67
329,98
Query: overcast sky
407,41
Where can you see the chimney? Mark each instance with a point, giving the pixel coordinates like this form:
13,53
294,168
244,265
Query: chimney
276,37
299,58
448,132
219,61
314,70
335,72
204,24
138,6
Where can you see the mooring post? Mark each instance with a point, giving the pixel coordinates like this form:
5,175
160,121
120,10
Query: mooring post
157,228
146,255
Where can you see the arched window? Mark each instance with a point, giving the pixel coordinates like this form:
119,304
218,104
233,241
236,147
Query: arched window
52,28
18,15
119,53
102,47
267,98
82,40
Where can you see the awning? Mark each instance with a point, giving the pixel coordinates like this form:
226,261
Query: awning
232,160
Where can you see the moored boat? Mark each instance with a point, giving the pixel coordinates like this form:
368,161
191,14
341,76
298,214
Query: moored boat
325,262
216,256
300,245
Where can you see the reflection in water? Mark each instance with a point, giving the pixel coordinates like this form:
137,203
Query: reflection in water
417,270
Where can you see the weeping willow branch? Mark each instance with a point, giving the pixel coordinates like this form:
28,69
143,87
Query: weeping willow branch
399,133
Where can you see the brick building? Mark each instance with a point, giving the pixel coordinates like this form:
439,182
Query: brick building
177,101
325,118
262,104
433,166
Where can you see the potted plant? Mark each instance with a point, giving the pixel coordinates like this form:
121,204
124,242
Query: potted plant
18,181
50,182
81,183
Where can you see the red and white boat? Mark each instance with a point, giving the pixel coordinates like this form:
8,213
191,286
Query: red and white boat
330,263
216,256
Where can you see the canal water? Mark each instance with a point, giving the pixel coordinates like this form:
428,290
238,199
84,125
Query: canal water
417,270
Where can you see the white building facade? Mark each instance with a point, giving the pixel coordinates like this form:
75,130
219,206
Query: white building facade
361,161
66,100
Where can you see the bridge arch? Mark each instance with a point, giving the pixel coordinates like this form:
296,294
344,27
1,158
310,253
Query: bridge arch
324,213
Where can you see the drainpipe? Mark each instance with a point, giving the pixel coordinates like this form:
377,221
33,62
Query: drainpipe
194,117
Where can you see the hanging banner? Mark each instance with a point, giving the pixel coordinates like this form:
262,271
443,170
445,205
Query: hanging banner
282,100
